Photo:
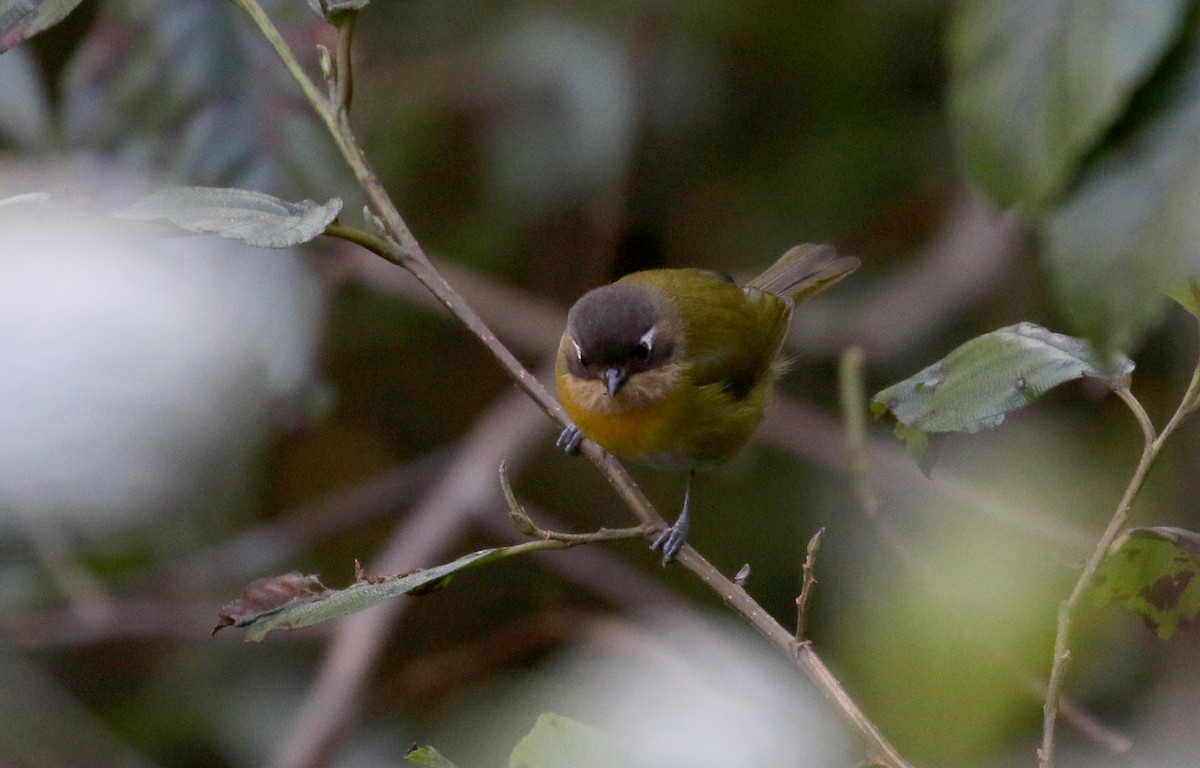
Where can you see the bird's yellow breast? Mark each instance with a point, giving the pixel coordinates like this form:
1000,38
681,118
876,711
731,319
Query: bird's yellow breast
662,418
637,422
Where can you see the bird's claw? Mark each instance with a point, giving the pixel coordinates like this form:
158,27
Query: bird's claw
671,540
570,440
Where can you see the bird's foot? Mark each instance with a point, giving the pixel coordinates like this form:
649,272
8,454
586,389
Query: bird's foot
570,440
672,538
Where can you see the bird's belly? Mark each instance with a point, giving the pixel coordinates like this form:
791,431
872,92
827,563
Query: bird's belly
681,433
644,434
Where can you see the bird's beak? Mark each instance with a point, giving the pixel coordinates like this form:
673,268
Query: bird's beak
614,379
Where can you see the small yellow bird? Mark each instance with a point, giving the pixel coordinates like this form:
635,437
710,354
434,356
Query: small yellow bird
674,367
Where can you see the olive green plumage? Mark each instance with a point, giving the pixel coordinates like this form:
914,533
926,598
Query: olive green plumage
675,367
695,401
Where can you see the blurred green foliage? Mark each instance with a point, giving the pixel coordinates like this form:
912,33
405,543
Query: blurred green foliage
552,146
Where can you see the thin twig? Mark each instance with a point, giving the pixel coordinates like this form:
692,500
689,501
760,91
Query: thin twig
854,419
526,525
425,272
403,248
806,583
854,407
343,83
508,431
804,656
1150,450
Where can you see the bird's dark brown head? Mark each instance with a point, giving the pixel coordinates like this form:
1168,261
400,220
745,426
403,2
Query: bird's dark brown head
616,332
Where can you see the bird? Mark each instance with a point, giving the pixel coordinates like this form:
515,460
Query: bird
674,368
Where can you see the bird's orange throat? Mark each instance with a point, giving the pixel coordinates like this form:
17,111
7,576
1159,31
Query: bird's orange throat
634,424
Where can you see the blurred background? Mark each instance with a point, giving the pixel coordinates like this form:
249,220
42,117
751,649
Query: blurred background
180,417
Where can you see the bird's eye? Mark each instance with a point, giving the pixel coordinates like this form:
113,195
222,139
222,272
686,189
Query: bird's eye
645,345
579,353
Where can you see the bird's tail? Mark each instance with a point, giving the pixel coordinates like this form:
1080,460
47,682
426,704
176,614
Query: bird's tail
803,271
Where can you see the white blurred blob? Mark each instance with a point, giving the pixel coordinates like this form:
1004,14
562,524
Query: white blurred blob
136,375
686,692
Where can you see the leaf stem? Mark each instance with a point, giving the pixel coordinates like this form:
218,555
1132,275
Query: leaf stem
343,83
526,525
1152,445
852,393
1139,413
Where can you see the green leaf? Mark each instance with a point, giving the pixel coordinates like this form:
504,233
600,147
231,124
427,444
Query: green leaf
1036,83
427,757
1187,296
977,384
560,742
239,214
303,609
1153,572
180,95
22,19
1129,231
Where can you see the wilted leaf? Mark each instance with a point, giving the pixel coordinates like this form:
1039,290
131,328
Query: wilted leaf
560,742
22,19
1154,573
1036,83
251,217
267,595
974,386
427,757
1130,230
334,603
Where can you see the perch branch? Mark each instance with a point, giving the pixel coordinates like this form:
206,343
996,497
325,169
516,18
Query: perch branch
401,247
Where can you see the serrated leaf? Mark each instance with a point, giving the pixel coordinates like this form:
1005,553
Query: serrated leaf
977,384
333,603
1154,572
1036,83
22,19
560,742
427,757
239,214
1129,229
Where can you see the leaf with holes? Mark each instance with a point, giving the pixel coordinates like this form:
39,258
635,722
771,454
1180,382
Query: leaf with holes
1154,572
977,384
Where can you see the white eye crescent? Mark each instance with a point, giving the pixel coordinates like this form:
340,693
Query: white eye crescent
647,339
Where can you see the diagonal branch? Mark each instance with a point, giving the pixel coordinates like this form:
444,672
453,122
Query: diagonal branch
401,248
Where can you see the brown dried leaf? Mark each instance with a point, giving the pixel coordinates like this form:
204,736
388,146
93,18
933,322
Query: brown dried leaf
267,595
